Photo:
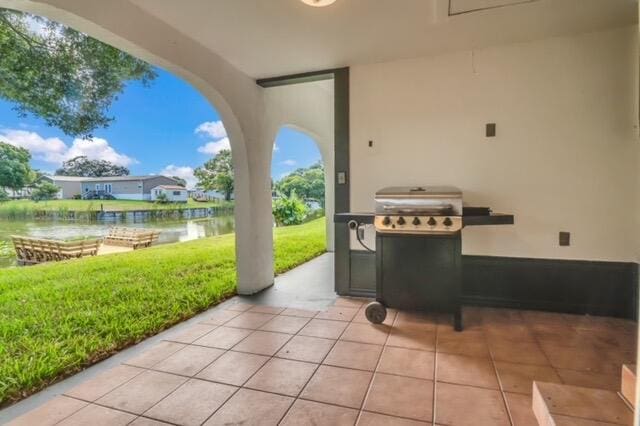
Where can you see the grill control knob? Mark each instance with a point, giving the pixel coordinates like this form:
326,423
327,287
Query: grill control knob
416,221
431,222
386,221
447,222
401,220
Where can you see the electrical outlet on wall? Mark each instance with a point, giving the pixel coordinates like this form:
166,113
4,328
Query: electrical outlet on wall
490,130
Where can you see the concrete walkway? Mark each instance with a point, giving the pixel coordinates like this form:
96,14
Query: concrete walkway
309,286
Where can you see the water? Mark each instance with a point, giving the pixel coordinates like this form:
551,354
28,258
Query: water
171,231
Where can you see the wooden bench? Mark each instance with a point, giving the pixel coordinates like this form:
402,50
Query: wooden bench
31,251
131,237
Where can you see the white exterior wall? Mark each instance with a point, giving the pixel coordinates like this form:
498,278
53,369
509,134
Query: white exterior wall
183,197
566,153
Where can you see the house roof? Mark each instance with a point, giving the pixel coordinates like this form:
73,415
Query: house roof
173,187
104,179
65,178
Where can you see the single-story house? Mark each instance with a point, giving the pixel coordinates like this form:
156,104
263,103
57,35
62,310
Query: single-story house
121,187
174,193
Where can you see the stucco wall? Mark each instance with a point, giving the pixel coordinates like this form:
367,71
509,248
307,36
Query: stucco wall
566,153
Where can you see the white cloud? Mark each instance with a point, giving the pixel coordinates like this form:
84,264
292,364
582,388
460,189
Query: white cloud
183,172
212,129
214,147
289,162
98,149
51,150
275,147
55,151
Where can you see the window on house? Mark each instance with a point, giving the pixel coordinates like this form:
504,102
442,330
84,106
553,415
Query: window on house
98,187
108,188
176,192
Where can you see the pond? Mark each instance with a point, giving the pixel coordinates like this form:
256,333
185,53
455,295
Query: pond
171,231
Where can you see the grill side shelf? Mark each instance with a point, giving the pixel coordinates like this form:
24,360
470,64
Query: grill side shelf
490,219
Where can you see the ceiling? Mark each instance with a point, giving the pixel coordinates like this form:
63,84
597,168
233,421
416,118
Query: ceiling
266,38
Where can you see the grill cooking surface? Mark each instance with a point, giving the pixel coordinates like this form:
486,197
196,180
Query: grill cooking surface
418,210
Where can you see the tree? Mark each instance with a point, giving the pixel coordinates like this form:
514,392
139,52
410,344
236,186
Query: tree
65,77
308,183
82,166
181,182
15,171
217,174
44,191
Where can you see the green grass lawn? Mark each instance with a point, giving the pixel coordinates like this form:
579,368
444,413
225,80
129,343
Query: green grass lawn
27,206
58,318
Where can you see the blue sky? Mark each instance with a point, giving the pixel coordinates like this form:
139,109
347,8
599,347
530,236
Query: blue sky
167,128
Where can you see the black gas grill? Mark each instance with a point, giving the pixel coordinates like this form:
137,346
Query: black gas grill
418,248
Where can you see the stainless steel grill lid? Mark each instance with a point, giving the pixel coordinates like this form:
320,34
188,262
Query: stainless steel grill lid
420,200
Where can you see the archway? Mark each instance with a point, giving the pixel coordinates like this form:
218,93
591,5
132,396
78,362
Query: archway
297,150
234,95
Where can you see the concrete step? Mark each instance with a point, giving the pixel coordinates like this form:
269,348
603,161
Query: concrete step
628,386
565,405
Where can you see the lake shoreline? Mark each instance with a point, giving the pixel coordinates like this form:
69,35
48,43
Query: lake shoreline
95,210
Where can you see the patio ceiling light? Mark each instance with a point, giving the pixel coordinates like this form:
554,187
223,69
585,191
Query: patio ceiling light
318,3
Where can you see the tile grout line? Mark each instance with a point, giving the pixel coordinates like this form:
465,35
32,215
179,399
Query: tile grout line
239,388
495,371
375,370
435,377
546,355
284,416
95,401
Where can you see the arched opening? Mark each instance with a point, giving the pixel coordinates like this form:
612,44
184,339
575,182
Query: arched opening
162,133
301,167
235,95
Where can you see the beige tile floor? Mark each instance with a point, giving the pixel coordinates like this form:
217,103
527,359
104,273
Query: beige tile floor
270,365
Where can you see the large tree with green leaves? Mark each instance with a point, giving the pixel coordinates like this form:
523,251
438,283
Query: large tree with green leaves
63,76
82,166
15,172
307,183
217,174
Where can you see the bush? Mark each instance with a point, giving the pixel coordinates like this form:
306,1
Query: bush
76,197
162,198
314,214
289,210
3,195
44,191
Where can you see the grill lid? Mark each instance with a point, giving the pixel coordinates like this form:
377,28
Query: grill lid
419,192
427,200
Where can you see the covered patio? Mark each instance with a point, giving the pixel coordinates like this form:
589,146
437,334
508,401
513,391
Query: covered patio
259,364
530,107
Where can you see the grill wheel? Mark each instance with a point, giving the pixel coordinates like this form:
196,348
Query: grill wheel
375,312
